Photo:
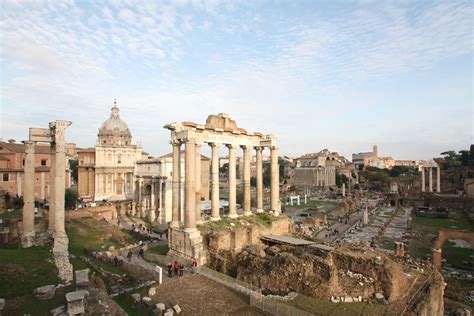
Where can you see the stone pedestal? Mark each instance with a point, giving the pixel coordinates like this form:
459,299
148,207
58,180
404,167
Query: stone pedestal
186,245
76,302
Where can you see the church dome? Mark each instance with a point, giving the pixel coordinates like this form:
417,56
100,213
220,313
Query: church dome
114,131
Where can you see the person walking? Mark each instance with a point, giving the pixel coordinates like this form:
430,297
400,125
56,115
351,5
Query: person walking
170,270
181,269
193,266
176,267
129,255
142,253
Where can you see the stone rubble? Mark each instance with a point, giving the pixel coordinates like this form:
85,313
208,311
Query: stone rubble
45,292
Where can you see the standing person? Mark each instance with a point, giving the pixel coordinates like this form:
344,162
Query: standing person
181,269
129,255
170,270
193,266
118,222
142,253
176,267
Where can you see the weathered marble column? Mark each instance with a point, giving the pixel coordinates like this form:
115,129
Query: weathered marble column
423,179
343,189
176,178
52,190
198,183
161,216
259,179
246,206
438,180
430,180
232,182
140,199
152,202
215,183
29,196
275,180
190,186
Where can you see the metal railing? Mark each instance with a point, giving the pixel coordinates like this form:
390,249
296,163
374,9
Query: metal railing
257,299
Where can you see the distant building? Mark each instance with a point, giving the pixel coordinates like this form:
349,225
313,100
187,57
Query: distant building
12,163
407,163
362,160
317,169
113,162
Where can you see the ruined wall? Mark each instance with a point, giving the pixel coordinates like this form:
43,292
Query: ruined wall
236,239
281,269
432,302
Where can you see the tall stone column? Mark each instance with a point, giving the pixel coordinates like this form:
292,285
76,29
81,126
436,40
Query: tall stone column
259,179
162,217
190,186
152,202
60,249
52,190
247,199
198,183
140,198
430,180
438,180
215,183
423,179
29,196
275,180
176,178
232,182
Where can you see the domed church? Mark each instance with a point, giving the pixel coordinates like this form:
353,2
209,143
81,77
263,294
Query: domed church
111,163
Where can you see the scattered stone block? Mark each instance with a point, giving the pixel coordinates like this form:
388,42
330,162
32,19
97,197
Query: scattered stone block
147,300
45,292
151,291
59,311
2,303
348,299
136,297
160,306
76,302
82,278
169,312
111,248
379,297
177,309
335,299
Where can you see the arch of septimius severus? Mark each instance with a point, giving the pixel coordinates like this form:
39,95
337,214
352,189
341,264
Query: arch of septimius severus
219,131
55,136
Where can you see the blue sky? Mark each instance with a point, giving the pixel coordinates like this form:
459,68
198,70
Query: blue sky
342,75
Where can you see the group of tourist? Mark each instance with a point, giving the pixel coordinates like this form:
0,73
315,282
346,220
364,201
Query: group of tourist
332,232
178,268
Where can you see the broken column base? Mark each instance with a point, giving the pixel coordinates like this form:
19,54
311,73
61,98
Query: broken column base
34,239
187,245
27,240
61,257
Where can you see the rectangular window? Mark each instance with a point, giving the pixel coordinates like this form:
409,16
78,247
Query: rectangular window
43,162
5,177
23,162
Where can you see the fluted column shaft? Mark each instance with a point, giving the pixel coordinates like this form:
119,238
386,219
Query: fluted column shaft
232,183
275,180
215,182
422,179
259,179
247,204
140,200
52,191
198,183
438,180
29,193
176,178
430,180
152,202
190,187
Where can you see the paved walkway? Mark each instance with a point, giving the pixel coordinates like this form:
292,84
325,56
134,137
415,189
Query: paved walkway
341,227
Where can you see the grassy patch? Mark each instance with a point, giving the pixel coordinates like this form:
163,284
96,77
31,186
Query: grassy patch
454,223
16,213
160,249
23,270
456,255
263,219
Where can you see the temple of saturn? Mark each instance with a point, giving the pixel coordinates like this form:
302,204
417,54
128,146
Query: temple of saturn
54,135
429,166
220,130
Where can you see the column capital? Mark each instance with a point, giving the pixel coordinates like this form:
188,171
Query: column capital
175,142
230,146
214,144
258,148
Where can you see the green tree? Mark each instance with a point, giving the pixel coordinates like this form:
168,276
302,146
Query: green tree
224,169
464,157
341,178
253,182
70,199
73,163
451,158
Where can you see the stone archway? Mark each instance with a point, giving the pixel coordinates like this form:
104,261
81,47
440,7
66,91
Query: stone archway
445,235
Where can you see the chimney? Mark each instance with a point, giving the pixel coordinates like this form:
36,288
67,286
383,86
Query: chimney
374,151
11,141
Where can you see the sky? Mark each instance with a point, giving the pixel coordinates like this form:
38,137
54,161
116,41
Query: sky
342,75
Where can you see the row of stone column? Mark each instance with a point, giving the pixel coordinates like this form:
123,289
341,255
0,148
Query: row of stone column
151,206
326,177
57,186
192,183
430,179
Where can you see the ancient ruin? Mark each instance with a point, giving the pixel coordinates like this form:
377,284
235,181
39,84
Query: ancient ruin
55,136
428,166
219,130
